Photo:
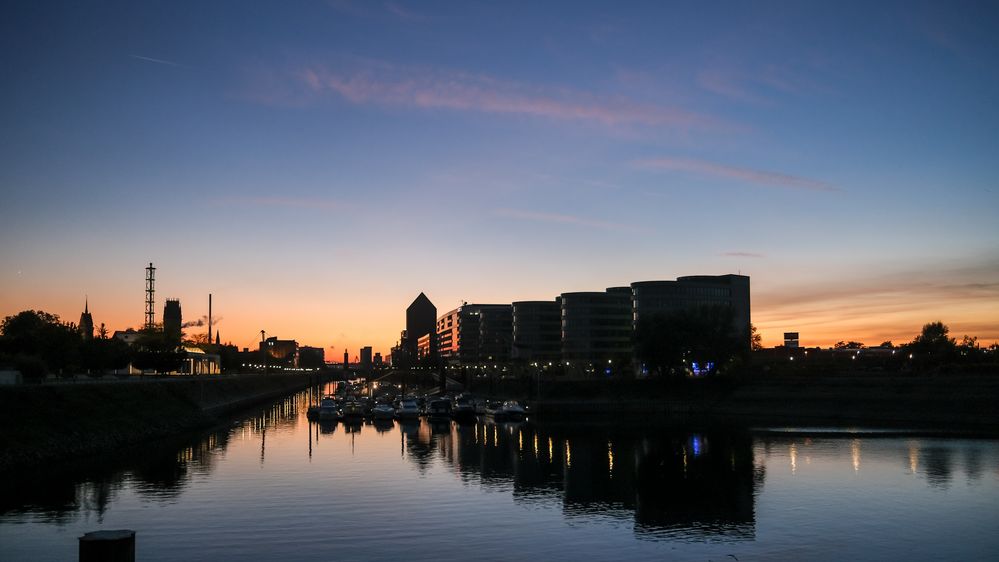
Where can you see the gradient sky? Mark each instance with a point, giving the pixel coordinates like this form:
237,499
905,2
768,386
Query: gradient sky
316,165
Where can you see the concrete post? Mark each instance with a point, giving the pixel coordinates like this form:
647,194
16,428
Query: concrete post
108,546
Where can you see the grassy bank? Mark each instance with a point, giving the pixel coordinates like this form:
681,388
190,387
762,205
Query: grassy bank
936,401
46,423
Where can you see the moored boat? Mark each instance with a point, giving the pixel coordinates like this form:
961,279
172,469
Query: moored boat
326,410
382,411
351,408
504,411
438,409
407,408
463,408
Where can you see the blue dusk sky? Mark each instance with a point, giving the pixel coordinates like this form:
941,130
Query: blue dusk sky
316,165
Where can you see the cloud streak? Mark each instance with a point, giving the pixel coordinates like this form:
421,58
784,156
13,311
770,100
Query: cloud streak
555,218
742,255
748,175
159,61
435,89
288,202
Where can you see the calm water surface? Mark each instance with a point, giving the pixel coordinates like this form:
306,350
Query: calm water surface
275,486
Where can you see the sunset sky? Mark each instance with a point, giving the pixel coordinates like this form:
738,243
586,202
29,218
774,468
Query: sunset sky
315,165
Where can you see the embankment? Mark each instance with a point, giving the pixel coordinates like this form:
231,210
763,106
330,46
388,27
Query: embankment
958,402
47,423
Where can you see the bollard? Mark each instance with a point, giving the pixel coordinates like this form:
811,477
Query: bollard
108,546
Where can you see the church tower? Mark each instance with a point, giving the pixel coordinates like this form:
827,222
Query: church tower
86,325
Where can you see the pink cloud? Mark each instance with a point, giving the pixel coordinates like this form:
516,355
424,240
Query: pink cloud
563,219
427,88
742,255
759,177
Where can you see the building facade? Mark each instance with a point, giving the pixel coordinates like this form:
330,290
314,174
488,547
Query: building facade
476,333
172,320
537,331
730,291
366,358
421,319
597,330
280,352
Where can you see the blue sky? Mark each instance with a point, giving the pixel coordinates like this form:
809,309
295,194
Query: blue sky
316,166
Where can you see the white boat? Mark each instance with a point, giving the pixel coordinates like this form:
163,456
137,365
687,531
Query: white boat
326,410
382,412
407,408
351,408
509,410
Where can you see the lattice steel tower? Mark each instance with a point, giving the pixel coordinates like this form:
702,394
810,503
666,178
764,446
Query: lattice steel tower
150,296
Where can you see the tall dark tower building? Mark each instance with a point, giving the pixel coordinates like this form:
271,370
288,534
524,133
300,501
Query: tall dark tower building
86,322
421,319
172,319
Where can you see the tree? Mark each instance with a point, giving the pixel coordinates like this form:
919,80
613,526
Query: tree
156,351
38,334
671,344
933,341
755,339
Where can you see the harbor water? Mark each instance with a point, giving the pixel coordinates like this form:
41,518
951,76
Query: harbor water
272,485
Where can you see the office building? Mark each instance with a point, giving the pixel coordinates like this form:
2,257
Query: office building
476,333
311,357
280,352
537,331
366,358
421,318
730,291
597,329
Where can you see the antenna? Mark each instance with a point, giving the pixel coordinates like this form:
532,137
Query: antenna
150,296
209,318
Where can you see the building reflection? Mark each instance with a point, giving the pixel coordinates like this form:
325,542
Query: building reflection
671,484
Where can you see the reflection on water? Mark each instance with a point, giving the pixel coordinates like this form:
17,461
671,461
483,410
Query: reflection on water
536,487
673,484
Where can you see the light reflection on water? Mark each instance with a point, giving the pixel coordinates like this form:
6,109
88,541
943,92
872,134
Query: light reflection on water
273,485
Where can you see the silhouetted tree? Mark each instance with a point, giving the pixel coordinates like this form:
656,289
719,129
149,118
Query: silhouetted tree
38,334
156,351
102,354
849,345
934,342
755,339
668,344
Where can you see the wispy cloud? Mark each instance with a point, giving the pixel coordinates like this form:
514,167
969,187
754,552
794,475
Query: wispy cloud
289,202
714,169
742,255
159,61
556,218
403,13
431,88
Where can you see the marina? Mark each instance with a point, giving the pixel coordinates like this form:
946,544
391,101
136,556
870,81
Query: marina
275,485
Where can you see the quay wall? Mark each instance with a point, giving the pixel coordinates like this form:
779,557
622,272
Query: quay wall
968,402
49,423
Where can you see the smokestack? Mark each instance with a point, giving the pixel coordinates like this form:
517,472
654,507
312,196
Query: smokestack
209,318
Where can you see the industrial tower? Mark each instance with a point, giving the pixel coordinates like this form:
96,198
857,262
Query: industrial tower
150,297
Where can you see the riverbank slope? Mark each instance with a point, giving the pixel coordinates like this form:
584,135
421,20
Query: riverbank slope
46,423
